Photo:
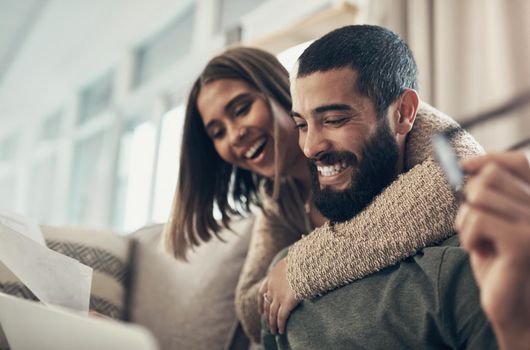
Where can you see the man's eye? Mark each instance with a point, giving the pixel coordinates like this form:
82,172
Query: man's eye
242,109
300,125
335,121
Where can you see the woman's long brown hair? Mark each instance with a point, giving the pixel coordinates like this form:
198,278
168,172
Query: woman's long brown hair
205,180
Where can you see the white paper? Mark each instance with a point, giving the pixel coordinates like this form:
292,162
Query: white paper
26,226
54,278
30,325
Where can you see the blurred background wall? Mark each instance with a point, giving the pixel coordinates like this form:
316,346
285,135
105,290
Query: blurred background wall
92,92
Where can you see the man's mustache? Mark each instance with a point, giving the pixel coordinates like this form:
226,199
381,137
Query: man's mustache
333,157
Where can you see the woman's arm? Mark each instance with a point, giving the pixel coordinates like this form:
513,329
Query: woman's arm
270,235
415,211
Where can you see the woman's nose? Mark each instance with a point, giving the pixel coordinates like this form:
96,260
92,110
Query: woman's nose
238,134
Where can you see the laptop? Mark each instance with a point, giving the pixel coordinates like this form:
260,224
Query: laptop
29,325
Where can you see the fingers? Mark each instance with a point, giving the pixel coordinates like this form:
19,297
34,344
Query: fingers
273,317
267,310
516,162
278,313
479,231
283,315
473,235
497,202
493,176
267,306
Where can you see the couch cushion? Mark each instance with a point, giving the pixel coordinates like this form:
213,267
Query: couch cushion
189,305
105,252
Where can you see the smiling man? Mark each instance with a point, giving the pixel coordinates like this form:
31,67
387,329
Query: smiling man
355,100
354,151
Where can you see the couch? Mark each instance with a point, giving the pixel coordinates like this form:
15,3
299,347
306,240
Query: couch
186,305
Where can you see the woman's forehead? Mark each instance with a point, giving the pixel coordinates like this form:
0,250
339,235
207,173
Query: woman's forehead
215,95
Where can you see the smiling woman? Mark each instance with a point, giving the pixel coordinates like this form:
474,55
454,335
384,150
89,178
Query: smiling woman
240,122
236,120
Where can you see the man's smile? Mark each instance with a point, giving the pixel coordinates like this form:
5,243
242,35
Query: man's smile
335,176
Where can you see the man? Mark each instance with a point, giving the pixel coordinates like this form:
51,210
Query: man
354,107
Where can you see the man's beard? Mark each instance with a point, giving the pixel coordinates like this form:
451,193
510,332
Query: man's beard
371,176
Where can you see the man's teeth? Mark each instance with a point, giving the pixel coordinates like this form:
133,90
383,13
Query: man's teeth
252,150
331,170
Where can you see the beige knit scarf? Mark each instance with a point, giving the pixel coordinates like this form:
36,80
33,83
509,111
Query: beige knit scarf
417,210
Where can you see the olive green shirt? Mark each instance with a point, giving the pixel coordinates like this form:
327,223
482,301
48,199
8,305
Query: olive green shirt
427,301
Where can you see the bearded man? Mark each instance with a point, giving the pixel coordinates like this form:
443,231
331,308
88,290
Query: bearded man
355,100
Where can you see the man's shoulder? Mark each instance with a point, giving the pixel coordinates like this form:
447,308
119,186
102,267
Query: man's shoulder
425,301
447,252
448,268
444,264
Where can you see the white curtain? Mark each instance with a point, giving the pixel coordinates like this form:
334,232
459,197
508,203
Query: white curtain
473,55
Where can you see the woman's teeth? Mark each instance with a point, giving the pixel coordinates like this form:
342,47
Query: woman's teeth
331,170
252,151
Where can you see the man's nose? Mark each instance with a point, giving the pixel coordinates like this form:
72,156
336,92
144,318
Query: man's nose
314,143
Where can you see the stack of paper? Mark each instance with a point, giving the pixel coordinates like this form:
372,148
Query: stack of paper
54,278
59,282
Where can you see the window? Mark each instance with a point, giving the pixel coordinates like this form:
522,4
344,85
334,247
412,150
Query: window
8,148
42,195
7,189
51,127
230,11
121,178
168,162
86,176
134,177
96,97
165,48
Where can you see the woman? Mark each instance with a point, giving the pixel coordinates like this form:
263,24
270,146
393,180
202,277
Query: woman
240,149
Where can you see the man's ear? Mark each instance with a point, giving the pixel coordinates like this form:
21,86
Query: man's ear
406,111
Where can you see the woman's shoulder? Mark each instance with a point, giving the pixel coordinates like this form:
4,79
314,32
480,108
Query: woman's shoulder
287,207
290,192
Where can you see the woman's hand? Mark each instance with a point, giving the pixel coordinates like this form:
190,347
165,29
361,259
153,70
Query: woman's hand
494,227
276,299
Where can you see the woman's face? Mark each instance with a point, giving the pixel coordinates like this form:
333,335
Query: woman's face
239,121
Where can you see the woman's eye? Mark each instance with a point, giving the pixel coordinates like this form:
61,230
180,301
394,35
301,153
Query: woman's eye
217,134
242,109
